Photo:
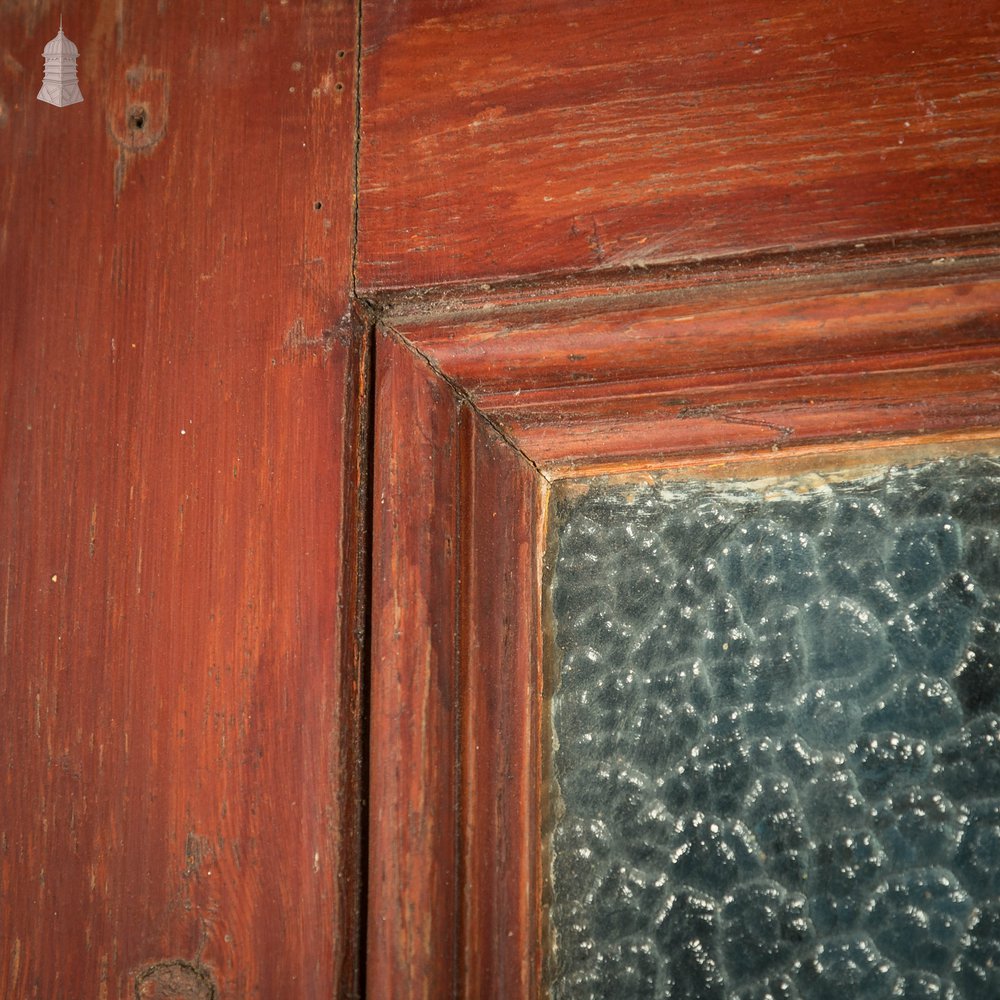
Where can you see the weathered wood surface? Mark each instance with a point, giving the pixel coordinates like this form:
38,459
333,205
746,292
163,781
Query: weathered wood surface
455,874
506,138
479,413
504,796
894,262
179,682
610,238
182,474
414,877
722,371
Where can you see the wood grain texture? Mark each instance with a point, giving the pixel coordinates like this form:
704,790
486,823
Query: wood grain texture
506,139
455,881
481,416
893,262
504,514
775,367
183,418
609,238
413,883
179,490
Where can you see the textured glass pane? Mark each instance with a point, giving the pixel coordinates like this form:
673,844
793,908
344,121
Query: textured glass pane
778,738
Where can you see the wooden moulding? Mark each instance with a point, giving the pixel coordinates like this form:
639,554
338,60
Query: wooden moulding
480,420
458,520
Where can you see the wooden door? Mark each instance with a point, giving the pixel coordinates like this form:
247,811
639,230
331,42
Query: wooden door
182,496
607,239
589,238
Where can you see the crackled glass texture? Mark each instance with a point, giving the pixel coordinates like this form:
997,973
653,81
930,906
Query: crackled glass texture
777,730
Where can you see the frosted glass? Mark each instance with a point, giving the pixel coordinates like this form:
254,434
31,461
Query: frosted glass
777,738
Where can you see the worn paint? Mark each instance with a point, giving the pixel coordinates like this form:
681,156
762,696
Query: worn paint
776,366
175,980
655,133
138,115
181,702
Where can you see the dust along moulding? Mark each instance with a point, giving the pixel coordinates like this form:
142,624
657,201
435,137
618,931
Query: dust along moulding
59,85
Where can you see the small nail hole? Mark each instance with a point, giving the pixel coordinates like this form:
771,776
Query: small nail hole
338,86
341,54
318,205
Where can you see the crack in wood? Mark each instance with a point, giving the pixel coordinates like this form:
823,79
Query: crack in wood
717,411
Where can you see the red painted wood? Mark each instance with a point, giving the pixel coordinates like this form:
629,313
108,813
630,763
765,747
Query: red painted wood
666,429
414,879
179,494
504,796
814,190
509,138
774,366
456,711
481,417
183,426
890,262
698,337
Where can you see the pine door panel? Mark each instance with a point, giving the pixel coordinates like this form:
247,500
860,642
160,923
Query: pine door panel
179,505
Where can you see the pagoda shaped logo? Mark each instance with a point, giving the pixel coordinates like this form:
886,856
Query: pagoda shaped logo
59,85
